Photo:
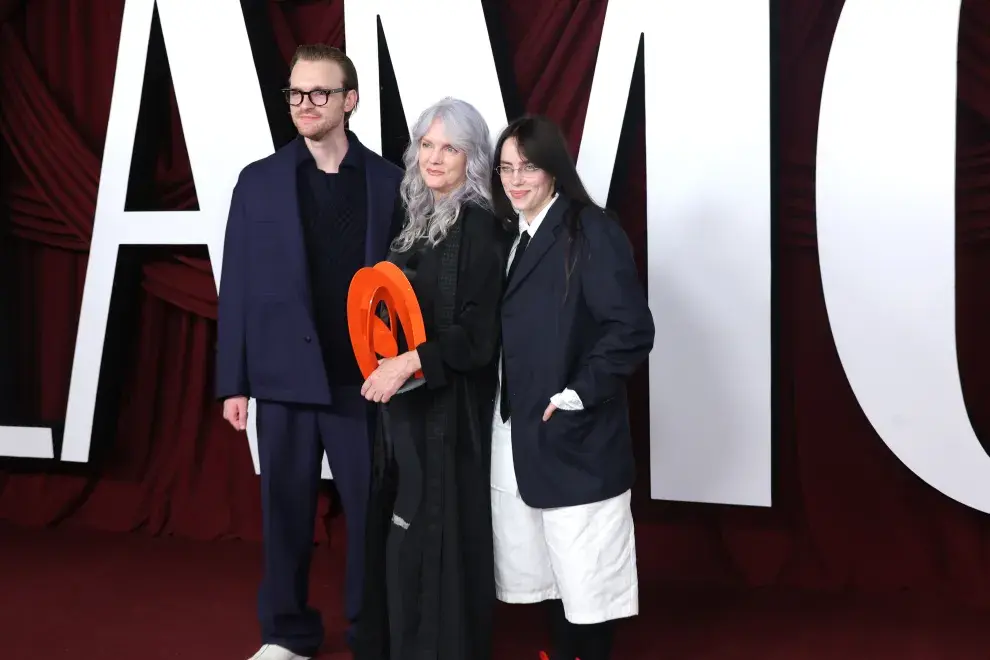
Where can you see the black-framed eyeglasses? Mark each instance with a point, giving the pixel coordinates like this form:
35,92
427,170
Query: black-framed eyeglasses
316,96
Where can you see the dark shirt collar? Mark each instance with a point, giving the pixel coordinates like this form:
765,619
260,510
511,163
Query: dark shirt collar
353,159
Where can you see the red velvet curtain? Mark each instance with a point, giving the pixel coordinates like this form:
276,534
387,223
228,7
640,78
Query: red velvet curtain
847,514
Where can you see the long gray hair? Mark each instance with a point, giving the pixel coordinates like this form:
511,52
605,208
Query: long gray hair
431,217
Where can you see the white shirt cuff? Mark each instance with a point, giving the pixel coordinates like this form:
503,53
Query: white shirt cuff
567,400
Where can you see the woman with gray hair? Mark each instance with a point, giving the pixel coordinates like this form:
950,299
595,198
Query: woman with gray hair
430,587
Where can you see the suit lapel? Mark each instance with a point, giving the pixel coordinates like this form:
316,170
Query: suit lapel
289,168
378,222
540,244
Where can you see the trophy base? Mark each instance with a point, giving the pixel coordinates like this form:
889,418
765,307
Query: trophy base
410,384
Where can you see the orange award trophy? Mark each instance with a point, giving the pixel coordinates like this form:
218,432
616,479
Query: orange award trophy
371,338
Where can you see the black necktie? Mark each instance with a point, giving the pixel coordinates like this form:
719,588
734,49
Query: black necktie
520,249
504,408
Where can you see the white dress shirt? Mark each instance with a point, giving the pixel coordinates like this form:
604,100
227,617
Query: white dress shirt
503,476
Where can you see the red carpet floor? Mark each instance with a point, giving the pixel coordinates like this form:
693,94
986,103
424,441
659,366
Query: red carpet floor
74,594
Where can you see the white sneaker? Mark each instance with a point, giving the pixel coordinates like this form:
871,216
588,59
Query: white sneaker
276,652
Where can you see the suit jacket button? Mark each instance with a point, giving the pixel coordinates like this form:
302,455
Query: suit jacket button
308,339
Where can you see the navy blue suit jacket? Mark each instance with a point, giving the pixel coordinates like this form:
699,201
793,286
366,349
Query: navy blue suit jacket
266,333
587,331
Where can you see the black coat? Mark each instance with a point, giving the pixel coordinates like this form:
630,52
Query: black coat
430,587
574,315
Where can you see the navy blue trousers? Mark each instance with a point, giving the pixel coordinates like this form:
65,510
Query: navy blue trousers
291,441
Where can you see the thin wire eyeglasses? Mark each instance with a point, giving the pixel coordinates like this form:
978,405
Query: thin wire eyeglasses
526,170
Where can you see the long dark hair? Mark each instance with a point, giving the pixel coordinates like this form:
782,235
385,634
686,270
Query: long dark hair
541,142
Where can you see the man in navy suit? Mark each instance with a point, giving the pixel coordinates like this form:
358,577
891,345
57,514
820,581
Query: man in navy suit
302,222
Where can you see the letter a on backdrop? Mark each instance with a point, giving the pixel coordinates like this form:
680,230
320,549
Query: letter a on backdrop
207,48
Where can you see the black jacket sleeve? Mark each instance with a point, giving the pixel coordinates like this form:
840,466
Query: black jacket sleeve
617,302
231,359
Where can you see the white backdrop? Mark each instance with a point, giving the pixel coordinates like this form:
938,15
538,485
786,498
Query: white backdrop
708,210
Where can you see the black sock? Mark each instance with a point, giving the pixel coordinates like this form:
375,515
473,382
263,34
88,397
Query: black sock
562,633
595,641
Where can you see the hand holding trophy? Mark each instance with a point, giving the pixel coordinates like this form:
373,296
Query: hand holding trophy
375,343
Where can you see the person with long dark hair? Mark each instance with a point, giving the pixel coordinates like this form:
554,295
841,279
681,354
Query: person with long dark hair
430,589
575,326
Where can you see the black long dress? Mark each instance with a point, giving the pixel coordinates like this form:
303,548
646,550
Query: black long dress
429,585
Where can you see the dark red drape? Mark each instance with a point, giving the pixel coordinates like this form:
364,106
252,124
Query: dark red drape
847,514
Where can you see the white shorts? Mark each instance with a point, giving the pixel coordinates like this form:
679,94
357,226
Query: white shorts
583,555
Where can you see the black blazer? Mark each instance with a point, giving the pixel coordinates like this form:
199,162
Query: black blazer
588,332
